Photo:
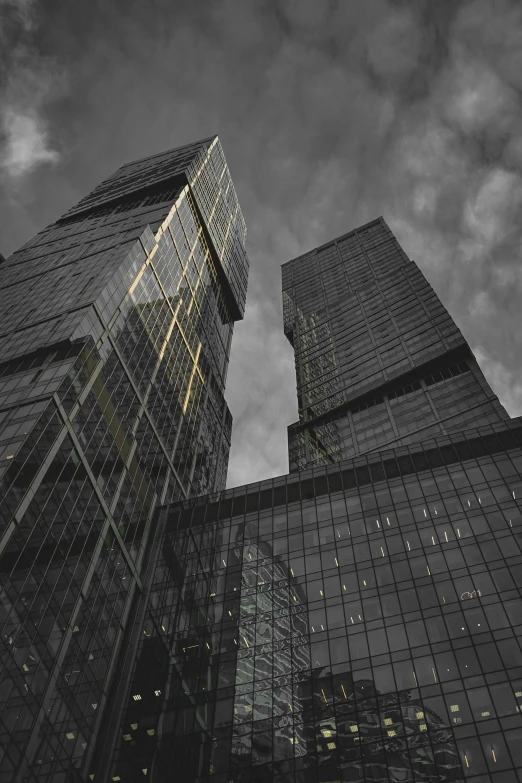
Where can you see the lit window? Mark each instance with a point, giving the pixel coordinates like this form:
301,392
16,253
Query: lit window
137,697
157,693
70,735
151,732
388,721
127,737
419,715
423,727
354,728
391,733
454,708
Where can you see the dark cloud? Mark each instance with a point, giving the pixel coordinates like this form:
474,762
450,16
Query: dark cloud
330,114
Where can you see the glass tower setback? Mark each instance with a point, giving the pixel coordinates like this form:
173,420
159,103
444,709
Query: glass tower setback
116,329
354,622
379,361
361,618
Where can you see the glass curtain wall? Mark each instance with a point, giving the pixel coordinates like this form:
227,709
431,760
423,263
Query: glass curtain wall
112,379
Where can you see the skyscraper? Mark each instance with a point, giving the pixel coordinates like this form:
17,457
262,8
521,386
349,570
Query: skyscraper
379,361
116,329
359,619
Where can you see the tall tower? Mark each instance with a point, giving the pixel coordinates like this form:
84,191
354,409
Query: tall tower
379,360
116,329
359,619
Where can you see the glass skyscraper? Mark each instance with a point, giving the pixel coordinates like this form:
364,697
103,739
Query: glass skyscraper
116,329
360,618
379,361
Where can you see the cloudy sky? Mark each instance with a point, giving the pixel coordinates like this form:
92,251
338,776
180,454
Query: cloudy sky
330,112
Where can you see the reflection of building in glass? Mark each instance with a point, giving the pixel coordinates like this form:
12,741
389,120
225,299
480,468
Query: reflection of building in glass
359,619
408,567
116,329
389,737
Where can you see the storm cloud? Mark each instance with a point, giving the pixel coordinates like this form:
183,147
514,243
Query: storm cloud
330,114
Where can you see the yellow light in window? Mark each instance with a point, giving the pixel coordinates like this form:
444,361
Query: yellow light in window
419,715
70,735
326,732
354,728
137,697
485,714
157,693
423,727
388,721
391,733
134,726
127,737
331,745
454,708
151,732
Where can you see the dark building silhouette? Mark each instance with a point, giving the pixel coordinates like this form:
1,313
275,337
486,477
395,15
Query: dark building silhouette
116,329
360,618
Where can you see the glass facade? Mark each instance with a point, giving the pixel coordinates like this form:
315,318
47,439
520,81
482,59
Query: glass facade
361,618
116,332
379,361
356,622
